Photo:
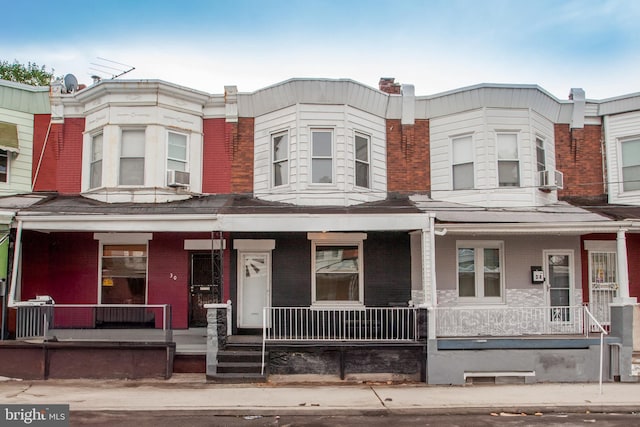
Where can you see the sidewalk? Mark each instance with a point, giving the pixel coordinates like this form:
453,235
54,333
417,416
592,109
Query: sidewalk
194,394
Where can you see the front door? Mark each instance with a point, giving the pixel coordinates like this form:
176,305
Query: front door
559,273
254,288
204,285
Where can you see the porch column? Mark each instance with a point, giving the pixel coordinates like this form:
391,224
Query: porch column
623,297
218,328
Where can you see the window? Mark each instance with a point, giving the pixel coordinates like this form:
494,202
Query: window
480,270
132,157
630,158
337,268
177,152
362,160
95,168
280,147
508,163
541,161
124,274
321,156
4,166
462,149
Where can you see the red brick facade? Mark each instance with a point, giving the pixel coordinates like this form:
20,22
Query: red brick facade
217,152
57,155
408,160
242,159
579,157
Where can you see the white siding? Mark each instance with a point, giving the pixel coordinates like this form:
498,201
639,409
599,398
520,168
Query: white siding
299,120
617,128
484,125
19,179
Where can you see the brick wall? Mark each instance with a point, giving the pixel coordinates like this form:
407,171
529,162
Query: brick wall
57,162
242,157
217,155
579,158
43,171
408,161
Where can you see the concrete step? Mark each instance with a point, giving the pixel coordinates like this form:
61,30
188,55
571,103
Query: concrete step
239,356
236,378
239,367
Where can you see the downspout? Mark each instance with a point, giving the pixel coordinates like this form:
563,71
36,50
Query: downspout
16,263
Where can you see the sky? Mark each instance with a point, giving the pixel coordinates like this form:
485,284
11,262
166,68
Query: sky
435,45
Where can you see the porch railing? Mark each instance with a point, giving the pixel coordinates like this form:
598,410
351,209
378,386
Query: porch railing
511,321
94,321
340,324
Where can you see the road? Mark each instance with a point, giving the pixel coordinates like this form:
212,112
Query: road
202,419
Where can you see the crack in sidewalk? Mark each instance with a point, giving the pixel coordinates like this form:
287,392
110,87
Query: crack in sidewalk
20,392
379,398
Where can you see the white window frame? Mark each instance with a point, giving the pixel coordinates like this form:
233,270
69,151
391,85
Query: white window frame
479,246
122,239
331,157
7,155
93,161
621,142
454,162
540,144
509,160
185,161
120,157
278,162
337,239
365,163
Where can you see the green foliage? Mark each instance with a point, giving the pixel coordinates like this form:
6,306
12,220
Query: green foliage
31,74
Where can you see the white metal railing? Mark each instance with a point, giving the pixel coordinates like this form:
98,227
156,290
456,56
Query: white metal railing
511,321
36,321
594,324
340,324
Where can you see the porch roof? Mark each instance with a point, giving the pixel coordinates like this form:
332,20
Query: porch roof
555,218
218,213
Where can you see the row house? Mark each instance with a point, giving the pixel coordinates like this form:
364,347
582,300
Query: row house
20,105
340,230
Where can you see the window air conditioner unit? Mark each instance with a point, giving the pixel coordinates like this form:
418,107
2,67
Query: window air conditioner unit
551,179
177,178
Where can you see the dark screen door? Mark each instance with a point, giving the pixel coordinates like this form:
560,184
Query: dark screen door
204,286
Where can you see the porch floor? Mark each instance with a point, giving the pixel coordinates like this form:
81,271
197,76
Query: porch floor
522,342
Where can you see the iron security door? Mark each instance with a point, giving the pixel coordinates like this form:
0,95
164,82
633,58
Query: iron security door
204,285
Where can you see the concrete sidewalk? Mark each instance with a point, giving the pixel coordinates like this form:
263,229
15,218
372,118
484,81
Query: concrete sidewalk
193,394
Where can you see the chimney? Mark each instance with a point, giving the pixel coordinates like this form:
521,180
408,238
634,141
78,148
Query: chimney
388,85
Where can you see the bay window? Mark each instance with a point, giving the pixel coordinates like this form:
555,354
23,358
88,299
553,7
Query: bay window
462,162
177,152
132,153
362,143
630,160
280,158
508,163
95,167
321,156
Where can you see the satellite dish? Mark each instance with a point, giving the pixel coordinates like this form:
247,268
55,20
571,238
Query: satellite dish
70,83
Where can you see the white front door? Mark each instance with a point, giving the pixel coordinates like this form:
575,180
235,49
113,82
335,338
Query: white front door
559,284
254,280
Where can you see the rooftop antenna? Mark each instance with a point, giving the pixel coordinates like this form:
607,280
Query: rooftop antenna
107,69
